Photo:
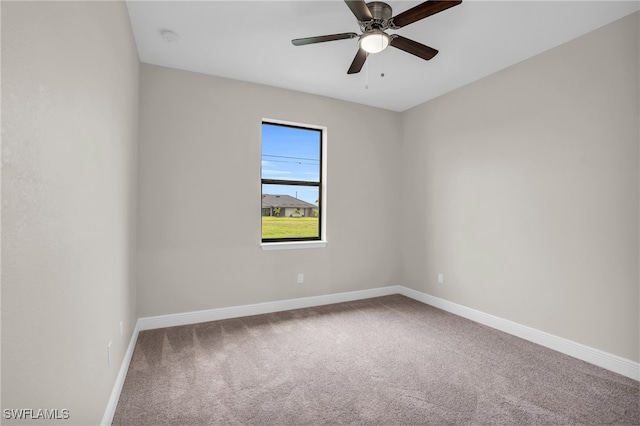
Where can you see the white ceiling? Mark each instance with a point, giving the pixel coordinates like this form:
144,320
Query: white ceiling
251,41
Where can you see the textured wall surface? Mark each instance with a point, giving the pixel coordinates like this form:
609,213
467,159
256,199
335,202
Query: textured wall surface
69,137
199,210
523,190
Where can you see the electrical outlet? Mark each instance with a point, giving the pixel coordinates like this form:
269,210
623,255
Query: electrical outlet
300,278
440,278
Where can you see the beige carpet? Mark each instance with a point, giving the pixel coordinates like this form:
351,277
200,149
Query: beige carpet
384,361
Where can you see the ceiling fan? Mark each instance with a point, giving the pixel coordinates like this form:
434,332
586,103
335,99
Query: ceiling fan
376,17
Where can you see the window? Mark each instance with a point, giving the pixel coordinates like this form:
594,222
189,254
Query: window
291,179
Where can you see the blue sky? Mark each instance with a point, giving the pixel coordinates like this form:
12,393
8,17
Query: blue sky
293,154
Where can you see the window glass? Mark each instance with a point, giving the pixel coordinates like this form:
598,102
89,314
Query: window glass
291,183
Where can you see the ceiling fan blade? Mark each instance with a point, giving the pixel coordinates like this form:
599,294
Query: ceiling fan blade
358,62
413,47
360,9
421,11
320,39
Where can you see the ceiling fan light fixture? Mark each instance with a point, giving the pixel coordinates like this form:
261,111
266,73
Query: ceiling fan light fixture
374,41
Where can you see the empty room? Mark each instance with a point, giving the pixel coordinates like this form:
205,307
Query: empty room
320,212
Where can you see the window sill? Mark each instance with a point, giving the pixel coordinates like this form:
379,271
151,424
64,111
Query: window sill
295,245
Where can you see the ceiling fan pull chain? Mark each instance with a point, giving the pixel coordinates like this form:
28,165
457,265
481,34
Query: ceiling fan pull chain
366,75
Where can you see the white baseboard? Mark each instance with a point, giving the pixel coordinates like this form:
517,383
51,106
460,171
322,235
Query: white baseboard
586,353
597,357
172,320
107,419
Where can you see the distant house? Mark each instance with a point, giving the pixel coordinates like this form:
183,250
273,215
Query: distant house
287,205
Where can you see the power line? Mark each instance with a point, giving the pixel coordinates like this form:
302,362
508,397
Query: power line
292,162
292,158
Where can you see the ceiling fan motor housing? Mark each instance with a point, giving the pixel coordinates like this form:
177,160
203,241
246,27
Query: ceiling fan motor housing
381,13
380,10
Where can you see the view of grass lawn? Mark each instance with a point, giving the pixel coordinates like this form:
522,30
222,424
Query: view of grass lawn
289,227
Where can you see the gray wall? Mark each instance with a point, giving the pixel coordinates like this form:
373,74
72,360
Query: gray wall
523,189
69,136
200,150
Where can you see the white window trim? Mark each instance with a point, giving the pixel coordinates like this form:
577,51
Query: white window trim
293,245
322,242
